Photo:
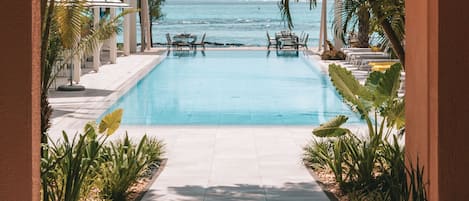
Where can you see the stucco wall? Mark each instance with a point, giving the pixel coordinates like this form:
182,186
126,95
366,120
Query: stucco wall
19,100
437,99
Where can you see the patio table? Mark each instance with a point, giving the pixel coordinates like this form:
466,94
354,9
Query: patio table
286,39
185,38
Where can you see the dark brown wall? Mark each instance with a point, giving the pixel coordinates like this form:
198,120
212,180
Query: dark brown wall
453,74
437,99
421,87
19,100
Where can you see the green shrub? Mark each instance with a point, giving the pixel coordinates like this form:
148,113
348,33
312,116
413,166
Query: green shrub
79,169
374,165
326,154
383,176
125,162
67,167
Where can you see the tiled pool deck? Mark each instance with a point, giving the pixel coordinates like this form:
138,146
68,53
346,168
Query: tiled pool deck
204,162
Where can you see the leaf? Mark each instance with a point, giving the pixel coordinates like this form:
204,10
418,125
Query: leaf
111,122
396,115
390,82
332,128
371,84
373,80
348,87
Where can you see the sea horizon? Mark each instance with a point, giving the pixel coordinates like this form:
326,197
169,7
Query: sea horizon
235,22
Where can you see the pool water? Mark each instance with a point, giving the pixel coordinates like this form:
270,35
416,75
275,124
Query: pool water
233,88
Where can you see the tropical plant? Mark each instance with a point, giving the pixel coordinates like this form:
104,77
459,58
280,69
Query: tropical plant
155,14
353,13
377,98
284,6
388,15
66,34
370,167
125,162
68,167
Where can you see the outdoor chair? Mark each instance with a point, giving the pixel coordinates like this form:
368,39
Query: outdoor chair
302,36
200,43
304,41
169,43
271,41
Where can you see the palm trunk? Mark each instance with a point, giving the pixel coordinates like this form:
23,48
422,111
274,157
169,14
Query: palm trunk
395,42
46,111
151,33
364,28
142,28
146,23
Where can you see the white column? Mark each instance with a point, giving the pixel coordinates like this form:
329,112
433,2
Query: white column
97,51
76,62
320,35
133,27
323,30
127,33
338,23
113,42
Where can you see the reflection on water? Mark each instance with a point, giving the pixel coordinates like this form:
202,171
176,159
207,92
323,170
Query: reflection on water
285,53
185,53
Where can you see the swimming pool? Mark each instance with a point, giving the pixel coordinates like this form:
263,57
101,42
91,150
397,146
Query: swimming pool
233,88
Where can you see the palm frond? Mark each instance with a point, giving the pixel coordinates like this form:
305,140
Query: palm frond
285,12
69,19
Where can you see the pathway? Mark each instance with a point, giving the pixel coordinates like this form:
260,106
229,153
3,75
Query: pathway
232,163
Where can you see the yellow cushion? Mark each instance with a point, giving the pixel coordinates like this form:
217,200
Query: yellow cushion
380,67
382,63
375,49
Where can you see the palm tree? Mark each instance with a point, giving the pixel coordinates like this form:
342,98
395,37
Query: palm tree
389,15
155,14
355,12
65,34
284,6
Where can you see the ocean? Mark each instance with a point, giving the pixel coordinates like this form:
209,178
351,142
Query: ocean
236,21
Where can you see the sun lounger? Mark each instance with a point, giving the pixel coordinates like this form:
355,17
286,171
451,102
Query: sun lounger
377,60
369,63
356,55
348,50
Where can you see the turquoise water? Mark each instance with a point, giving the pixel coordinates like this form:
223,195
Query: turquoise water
236,21
233,88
